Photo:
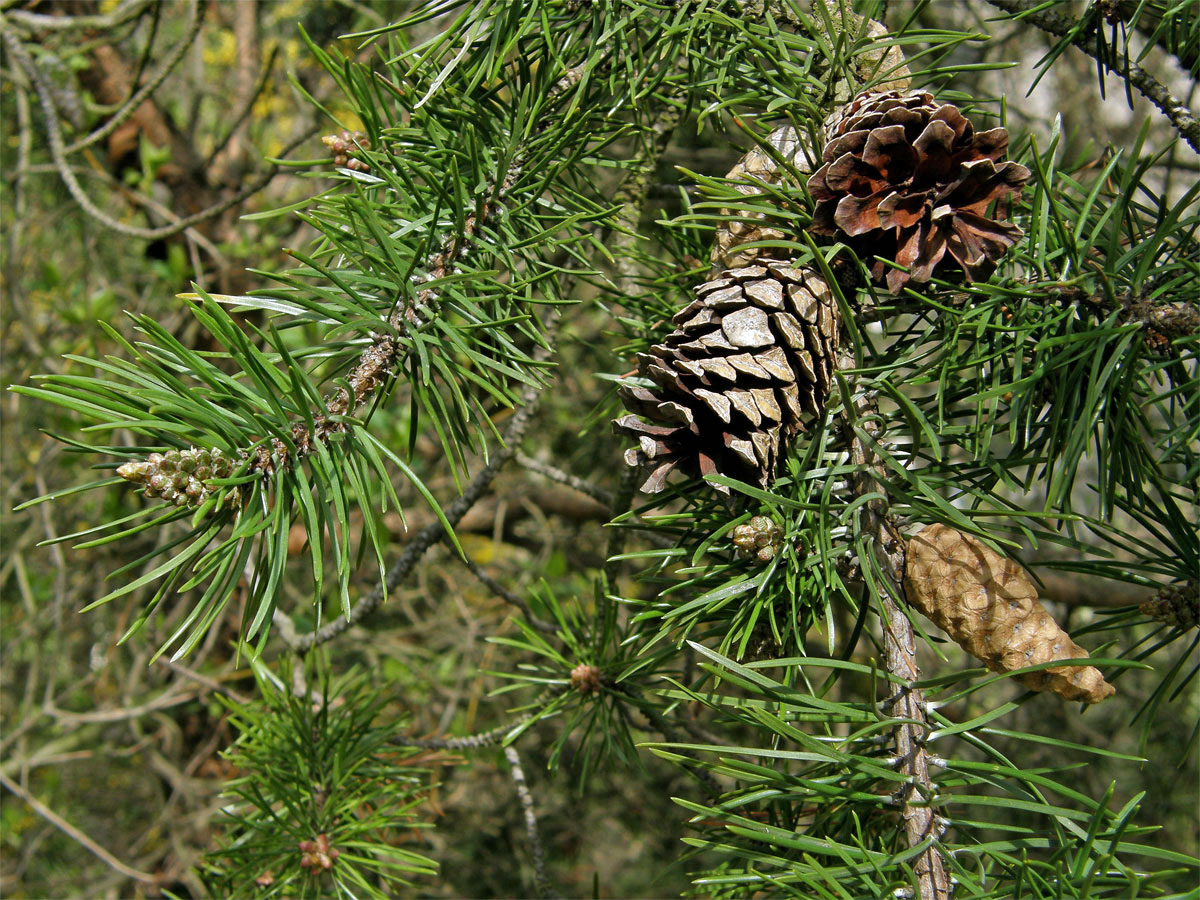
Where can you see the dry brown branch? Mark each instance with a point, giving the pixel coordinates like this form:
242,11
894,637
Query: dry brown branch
59,156
204,680
544,888
598,494
512,504
167,700
126,12
75,834
1088,590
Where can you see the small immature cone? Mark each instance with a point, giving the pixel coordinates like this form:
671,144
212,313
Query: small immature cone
989,606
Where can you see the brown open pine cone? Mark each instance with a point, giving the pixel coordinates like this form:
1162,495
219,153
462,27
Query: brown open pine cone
909,179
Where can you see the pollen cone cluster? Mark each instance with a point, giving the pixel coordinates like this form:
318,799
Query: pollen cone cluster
751,359
181,477
909,179
989,606
345,146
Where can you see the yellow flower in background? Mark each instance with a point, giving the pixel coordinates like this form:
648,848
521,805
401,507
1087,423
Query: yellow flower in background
221,50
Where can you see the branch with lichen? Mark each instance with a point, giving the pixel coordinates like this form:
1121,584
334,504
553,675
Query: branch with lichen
381,359
906,702
1176,110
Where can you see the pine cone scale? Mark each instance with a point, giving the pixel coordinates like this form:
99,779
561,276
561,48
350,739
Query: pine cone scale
888,152
774,362
920,252
766,293
743,402
789,329
744,363
747,327
899,211
860,215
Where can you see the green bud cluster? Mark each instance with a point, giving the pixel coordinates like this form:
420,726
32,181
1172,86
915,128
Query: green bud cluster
760,538
344,147
181,476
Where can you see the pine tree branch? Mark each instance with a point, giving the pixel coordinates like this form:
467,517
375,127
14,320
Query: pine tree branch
1151,88
381,357
430,534
483,738
1168,317
554,473
544,888
1148,25
379,360
907,703
509,597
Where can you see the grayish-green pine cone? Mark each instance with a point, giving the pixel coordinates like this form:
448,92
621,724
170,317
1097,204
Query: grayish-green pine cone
751,361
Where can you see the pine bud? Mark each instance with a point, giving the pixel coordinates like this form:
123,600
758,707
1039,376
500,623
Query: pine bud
760,538
1178,605
343,144
586,679
181,477
318,854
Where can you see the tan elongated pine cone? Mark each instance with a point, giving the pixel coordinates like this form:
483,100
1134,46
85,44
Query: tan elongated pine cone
989,606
